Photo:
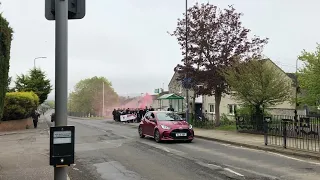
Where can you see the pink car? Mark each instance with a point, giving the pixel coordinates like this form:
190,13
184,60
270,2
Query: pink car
165,125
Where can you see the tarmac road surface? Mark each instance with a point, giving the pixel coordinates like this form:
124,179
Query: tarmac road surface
109,151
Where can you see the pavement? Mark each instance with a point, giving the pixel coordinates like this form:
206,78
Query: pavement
106,150
24,154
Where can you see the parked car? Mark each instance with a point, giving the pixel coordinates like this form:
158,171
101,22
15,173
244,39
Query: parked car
165,125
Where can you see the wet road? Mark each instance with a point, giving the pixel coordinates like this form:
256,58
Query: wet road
109,151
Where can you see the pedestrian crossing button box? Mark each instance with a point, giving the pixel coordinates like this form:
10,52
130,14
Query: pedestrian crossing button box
61,146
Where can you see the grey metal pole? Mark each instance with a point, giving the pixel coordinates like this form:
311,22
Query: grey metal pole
187,90
296,99
103,99
61,73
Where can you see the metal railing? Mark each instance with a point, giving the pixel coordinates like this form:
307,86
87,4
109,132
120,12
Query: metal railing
302,133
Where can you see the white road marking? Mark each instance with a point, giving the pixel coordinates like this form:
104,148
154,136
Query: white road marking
76,169
236,173
214,165
252,172
169,150
166,149
296,159
277,154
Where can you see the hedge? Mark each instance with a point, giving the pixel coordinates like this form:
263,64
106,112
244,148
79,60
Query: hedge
19,105
5,47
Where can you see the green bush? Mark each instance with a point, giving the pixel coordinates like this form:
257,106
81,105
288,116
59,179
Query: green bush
248,111
225,121
19,105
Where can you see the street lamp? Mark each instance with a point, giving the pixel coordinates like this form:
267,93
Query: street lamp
187,90
34,61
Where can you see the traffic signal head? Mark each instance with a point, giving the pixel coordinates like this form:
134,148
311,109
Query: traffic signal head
76,9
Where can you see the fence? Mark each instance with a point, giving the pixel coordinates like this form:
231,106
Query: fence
302,133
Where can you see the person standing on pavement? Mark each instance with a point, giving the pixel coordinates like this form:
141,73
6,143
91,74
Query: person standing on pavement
170,108
35,116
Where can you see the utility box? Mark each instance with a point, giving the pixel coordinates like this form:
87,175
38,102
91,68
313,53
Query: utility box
62,146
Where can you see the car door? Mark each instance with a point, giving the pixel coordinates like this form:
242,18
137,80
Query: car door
152,123
146,123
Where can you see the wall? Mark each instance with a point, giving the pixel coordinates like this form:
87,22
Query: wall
176,88
15,125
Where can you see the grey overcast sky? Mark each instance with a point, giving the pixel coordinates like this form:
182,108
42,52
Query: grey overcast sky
126,41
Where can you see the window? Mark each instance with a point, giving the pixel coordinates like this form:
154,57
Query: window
211,108
165,116
232,108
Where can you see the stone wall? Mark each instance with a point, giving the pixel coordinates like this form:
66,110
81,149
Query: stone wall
15,125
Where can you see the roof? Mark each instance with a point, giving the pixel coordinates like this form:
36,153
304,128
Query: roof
292,76
170,96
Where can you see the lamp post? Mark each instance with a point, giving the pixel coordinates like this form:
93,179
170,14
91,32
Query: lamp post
34,61
187,90
296,86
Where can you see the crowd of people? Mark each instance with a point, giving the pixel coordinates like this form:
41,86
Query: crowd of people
138,112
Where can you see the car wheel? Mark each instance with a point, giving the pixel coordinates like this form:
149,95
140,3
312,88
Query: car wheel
157,136
189,141
140,132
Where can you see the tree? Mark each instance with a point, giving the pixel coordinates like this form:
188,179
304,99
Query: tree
309,75
88,95
259,84
50,104
216,40
35,81
5,47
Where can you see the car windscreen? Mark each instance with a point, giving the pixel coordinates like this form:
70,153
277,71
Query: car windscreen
168,116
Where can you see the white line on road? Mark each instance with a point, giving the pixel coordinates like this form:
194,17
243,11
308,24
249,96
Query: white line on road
236,173
214,165
277,154
252,172
296,159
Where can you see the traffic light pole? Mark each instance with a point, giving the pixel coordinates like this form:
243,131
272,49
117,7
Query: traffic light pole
61,73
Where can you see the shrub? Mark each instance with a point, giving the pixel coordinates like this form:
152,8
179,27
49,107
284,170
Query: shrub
5,46
225,121
19,105
248,111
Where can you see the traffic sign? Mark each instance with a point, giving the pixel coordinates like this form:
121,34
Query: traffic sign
76,9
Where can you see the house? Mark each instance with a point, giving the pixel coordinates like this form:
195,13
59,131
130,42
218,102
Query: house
228,104
175,87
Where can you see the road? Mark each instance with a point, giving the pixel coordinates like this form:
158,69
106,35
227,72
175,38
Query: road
109,151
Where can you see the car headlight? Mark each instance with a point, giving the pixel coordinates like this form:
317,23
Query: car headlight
190,126
165,127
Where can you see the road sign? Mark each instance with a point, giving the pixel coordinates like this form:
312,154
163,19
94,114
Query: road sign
76,9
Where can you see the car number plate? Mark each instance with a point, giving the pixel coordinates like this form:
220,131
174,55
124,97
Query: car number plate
181,134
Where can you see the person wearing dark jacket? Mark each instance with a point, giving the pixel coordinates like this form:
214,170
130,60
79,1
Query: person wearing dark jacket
52,117
35,116
151,108
114,114
170,108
